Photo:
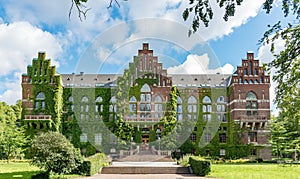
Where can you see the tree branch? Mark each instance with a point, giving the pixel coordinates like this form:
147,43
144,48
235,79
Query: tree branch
82,9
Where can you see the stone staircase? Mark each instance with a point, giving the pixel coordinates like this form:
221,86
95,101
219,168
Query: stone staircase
148,168
145,156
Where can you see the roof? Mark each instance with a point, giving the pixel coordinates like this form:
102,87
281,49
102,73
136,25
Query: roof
89,80
209,80
109,80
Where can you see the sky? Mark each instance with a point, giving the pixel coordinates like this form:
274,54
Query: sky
108,39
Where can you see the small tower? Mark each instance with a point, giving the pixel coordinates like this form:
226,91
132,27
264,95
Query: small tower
250,104
41,95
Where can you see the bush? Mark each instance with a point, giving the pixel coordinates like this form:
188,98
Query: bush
93,164
184,161
54,153
43,175
200,166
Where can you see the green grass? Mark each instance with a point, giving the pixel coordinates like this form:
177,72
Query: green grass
254,171
17,170
22,170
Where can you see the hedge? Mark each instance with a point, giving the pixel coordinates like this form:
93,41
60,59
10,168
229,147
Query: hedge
200,166
93,164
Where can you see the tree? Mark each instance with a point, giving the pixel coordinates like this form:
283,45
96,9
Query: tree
52,152
12,136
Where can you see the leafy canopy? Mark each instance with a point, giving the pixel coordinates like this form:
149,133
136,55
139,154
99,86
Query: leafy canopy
54,153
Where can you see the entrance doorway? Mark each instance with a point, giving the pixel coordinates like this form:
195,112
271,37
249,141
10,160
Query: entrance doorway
145,142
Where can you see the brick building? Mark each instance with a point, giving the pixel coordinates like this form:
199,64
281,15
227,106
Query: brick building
229,112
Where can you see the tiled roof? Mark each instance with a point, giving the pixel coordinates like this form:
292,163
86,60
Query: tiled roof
106,80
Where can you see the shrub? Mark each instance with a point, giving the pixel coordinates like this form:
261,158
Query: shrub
93,164
54,153
200,166
43,175
184,161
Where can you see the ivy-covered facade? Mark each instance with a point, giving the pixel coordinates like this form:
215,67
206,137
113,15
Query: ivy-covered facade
214,114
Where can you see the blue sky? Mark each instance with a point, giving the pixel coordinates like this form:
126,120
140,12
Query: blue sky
106,41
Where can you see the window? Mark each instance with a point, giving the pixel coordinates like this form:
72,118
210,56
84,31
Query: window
158,107
193,137
192,108
222,138
255,72
179,109
83,137
40,101
98,138
207,137
251,68
252,137
145,102
99,105
206,108
132,106
222,152
145,88
253,151
245,71
71,99
113,108
251,104
261,80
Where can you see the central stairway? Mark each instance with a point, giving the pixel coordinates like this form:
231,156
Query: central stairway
145,162
145,168
145,156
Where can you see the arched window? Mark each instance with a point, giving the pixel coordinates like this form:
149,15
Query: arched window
145,102
255,81
84,106
99,105
246,82
132,106
251,96
251,104
179,109
251,82
99,99
40,96
192,108
84,99
206,108
40,101
241,80
113,108
221,109
158,107
145,88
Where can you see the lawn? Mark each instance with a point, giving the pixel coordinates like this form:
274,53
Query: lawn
17,170
22,170
254,171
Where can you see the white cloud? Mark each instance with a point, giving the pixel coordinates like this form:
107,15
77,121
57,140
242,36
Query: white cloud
20,43
195,64
217,27
12,89
266,56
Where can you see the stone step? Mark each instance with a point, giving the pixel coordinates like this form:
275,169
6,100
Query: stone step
145,158
144,170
